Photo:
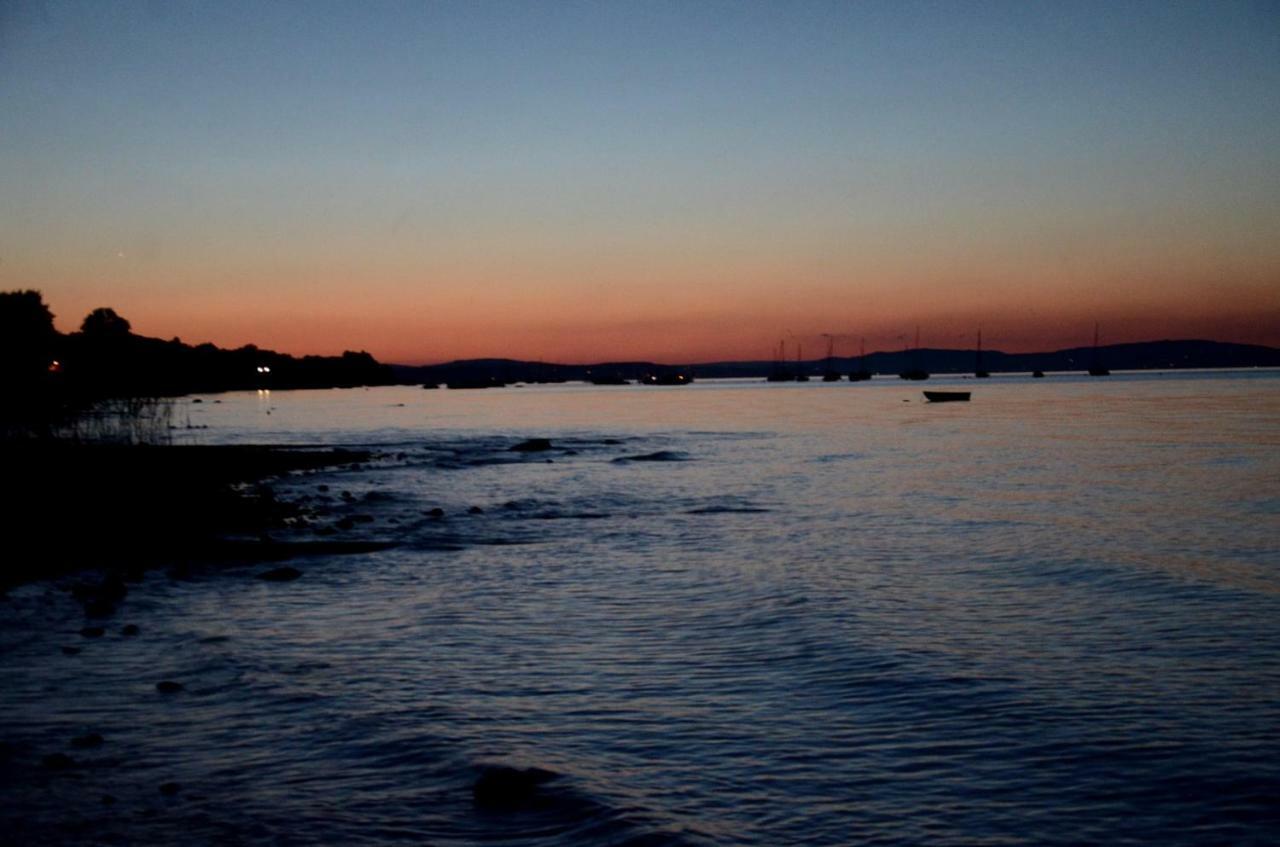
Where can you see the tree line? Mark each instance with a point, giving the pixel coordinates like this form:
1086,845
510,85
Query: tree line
49,378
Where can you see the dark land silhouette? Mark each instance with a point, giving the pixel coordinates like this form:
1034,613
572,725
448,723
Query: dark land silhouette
72,506
52,374
90,480
1145,355
51,377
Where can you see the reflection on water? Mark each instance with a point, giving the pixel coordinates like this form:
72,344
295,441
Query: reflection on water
830,616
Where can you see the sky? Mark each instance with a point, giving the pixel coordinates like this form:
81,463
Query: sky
675,181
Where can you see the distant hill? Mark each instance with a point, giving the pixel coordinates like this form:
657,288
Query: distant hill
1145,355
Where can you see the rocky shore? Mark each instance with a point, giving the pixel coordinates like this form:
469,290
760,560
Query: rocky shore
71,507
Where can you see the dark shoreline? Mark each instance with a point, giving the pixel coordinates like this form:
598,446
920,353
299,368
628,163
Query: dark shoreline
71,507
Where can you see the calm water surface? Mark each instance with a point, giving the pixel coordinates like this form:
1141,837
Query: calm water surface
729,613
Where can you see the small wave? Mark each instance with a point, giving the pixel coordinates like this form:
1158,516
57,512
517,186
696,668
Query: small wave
574,516
727,510
549,805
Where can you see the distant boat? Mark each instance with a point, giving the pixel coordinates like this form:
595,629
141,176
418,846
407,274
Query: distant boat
607,378
667,378
915,372
1096,369
1037,374
780,372
801,376
861,374
477,382
978,370
831,374
947,396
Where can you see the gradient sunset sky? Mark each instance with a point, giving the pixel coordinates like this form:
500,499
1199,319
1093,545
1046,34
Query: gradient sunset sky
684,181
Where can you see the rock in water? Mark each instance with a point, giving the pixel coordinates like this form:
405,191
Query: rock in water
84,742
503,787
169,789
285,574
533,445
168,686
58,761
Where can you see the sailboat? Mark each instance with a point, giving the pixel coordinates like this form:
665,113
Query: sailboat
831,374
801,376
915,372
978,370
1096,368
861,374
780,372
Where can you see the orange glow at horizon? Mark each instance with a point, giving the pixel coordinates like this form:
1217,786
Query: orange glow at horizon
697,316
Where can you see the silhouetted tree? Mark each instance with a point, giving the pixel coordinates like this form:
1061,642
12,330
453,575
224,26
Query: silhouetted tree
105,323
28,343
27,336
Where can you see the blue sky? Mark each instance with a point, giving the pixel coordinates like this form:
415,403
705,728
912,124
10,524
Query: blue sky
214,169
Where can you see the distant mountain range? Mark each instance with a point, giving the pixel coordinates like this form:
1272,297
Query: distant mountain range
1146,355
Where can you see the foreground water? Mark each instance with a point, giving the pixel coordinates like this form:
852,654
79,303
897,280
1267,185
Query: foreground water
728,613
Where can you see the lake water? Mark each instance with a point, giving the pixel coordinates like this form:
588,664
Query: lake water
728,613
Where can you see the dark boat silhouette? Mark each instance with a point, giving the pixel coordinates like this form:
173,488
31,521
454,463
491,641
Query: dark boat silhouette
947,396
607,379
801,376
861,374
915,372
1096,368
780,372
1037,374
831,374
475,382
978,370
667,378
